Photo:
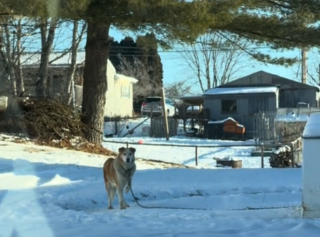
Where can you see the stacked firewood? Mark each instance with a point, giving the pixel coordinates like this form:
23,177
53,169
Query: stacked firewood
281,157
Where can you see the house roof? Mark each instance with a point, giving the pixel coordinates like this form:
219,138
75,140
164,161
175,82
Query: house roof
64,60
123,77
60,59
267,79
192,99
240,90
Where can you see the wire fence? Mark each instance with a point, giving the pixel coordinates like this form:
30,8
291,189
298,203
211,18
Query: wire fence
263,150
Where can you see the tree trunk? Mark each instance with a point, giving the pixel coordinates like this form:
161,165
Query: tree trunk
74,50
10,63
95,79
41,83
19,74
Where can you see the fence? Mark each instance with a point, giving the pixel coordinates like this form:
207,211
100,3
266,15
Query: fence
262,148
158,127
284,125
264,127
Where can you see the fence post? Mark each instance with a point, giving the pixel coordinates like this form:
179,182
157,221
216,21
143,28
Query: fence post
196,155
262,155
127,143
292,153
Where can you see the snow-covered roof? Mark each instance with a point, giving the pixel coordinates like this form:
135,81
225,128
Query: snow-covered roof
33,59
222,121
123,77
64,60
225,120
240,90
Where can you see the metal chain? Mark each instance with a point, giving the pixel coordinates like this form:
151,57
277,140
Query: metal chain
204,209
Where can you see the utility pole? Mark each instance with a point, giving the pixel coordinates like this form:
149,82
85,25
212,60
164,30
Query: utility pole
319,74
304,67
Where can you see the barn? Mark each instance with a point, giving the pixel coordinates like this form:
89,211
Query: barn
240,103
291,93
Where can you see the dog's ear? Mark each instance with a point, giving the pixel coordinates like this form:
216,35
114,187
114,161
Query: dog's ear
121,149
132,150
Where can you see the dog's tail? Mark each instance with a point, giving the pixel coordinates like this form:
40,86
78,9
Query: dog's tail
106,166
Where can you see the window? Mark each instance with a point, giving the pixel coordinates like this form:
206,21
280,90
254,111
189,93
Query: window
229,106
125,91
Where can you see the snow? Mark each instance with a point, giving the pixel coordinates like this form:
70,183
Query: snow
281,149
47,191
240,90
292,117
312,128
221,121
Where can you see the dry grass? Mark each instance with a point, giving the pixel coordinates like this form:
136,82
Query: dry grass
48,122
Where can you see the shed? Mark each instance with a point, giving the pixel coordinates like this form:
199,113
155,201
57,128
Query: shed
291,93
240,103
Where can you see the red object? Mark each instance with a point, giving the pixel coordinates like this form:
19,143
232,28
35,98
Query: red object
144,104
140,141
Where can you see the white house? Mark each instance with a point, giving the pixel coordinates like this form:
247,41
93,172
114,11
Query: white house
119,96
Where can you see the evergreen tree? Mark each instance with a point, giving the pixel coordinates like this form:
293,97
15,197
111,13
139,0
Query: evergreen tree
268,22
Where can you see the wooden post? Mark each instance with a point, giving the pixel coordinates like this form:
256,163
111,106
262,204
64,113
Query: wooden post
165,114
127,143
151,121
262,155
196,156
182,113
115,125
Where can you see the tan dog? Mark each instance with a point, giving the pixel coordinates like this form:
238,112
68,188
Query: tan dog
118,173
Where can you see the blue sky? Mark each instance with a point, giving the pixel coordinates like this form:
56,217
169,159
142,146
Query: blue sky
175,67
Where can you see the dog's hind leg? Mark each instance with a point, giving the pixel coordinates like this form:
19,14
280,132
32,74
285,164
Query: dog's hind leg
111,197
110,192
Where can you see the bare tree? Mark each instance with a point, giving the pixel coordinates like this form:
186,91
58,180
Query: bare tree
18,68
47,37
76,39
178,89
215,60
10,61
145,86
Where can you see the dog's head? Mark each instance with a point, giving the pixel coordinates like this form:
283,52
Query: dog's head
127,154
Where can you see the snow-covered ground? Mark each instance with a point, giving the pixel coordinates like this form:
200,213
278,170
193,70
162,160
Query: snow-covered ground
180,149
46,191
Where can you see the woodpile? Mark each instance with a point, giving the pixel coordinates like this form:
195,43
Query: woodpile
236,164
281,157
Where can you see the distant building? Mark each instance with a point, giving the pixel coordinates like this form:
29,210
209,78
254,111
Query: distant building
291,93
240,103
119,95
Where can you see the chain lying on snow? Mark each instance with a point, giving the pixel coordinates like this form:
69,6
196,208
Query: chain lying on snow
205,209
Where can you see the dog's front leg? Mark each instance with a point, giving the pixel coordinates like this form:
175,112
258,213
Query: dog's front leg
120,197
132,171
128,187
